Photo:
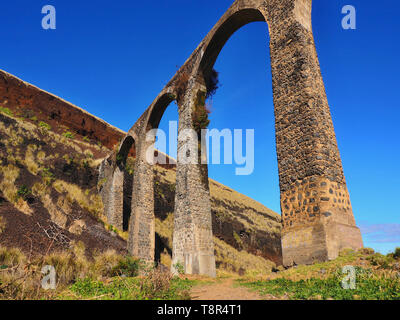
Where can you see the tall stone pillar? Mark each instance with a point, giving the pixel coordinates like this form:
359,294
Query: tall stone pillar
193,245
141,242
115,209
317,214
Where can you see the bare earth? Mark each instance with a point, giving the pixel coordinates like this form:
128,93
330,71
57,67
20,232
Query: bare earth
224,290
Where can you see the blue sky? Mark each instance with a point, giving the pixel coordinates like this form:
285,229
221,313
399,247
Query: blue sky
113,57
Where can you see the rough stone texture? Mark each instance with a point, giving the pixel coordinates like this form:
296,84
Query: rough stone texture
20,94
316,210
193,245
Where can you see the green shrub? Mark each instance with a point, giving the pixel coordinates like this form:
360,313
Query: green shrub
48,176
44,125
380,260
11,257
69,135
89,288
367,251
180,269
368,287
396,253
6,111
129,169
155,285
128,266
24,192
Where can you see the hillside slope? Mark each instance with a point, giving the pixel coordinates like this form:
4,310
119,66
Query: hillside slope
49,197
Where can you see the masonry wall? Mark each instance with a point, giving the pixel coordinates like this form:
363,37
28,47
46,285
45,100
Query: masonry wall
19,95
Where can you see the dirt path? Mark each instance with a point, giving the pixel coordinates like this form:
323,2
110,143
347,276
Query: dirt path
224,290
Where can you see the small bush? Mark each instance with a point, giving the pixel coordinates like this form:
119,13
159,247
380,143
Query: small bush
368,287
30,162
101,183
396,253
179,268
212,83
44,125
27,113
105,262
48,176
200,113
380,260
68,135
89,154
89,288
69,267
6,111
11,257
366,251
156,285
129,169
128,267
24,192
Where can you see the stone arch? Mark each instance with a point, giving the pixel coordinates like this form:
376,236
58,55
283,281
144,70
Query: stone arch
127,149
314,226
157,111
223,33
212,50
113,185
317,216
142,237
121,188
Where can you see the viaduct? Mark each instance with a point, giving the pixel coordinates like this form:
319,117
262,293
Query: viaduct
317,215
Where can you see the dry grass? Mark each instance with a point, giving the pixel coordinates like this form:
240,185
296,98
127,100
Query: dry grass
30,161
15,137
252,209
20,277
86,200
41,156
227,258
7,186
232,260
11,257
156,284
3,224
165,228
166,259
56,214
260,216
105,262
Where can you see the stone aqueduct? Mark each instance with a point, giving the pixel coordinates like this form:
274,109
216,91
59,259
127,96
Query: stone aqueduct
317,215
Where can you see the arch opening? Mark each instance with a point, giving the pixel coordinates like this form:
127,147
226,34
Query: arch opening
236,96
163,112
125,161
222,35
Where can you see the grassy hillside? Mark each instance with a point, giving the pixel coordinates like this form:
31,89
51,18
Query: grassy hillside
376,277
110,276
48,189
49,200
